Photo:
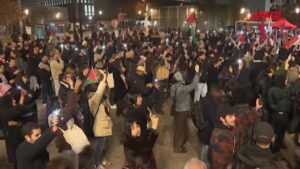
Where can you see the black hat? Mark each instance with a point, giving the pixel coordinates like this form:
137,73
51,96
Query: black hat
263,132
225,109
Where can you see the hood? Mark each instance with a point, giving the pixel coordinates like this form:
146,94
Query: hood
253,156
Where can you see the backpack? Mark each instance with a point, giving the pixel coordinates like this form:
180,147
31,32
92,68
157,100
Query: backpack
197,115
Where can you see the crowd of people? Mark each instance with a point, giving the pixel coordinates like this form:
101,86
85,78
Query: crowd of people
242,94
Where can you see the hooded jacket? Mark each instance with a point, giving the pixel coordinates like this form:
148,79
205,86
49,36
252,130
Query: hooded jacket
254,157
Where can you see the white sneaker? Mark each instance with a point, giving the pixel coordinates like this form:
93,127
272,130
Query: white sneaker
100,167
106,163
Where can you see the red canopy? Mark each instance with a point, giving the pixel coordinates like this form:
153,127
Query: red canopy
265,15
283,24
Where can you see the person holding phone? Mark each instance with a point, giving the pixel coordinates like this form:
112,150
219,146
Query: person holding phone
138,144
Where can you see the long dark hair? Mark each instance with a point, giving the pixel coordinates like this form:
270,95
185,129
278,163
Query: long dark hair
126,136
6,102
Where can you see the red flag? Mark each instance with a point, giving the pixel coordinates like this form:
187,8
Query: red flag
261,28
121,16
114,23
92,75
192,18
291,42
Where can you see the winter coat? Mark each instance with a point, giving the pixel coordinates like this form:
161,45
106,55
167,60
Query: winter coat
183,95
44,72
246,117
209,112
224,78
13,134
251,157
244,78
263,84
32,65
137,84
140,113
221,148
56,68
103,123
279,99
138,153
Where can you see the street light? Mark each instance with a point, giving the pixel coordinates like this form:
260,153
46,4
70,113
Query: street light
58,14
100,12
90,17
26,11
249,15
297,10
242,10
140,12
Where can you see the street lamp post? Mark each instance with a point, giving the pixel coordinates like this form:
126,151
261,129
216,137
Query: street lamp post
26,23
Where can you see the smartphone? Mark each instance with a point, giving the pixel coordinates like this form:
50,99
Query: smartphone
56,112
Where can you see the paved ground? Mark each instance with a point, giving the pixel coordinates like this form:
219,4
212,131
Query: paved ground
163,151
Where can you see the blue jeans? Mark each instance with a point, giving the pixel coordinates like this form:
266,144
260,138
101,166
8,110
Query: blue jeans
101,149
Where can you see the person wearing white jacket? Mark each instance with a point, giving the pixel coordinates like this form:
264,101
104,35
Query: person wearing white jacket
99,106
56,66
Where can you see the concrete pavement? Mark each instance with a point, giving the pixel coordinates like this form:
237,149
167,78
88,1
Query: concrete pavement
163,150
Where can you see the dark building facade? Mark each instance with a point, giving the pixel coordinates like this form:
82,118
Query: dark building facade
77,9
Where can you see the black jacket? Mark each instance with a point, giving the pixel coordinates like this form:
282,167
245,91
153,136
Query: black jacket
137,84
34,156
209,112
279,99
254,157
138,153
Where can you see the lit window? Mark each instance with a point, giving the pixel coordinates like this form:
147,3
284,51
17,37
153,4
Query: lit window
85,10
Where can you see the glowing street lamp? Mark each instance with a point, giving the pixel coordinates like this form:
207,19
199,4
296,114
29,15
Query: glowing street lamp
140,12
242,10
90,17
26,11
100,12
58,15
297,10
249,15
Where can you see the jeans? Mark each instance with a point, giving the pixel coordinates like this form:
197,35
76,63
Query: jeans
101,149
280,123
201,90
46,89
204,151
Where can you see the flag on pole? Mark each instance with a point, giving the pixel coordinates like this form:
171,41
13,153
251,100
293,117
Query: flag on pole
91,78
291,42
261,28
191,20
121,16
